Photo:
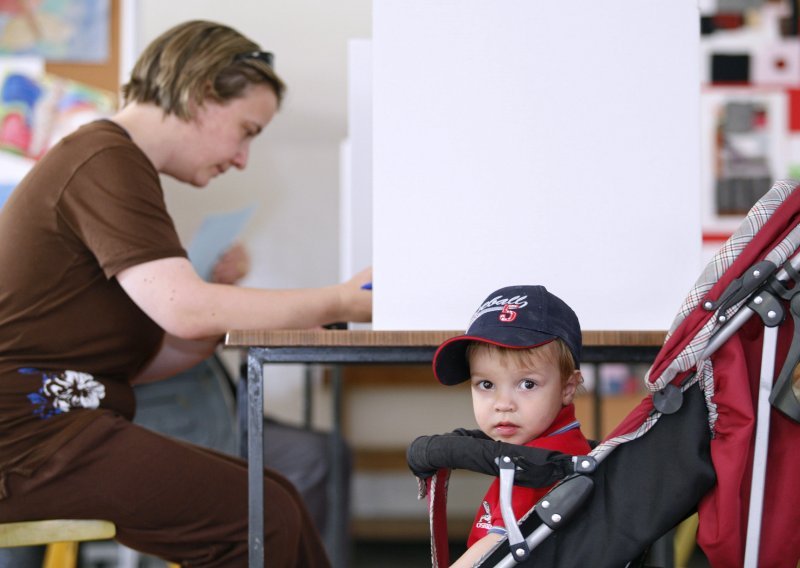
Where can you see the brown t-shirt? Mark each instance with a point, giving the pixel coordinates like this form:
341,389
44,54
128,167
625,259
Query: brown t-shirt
70,338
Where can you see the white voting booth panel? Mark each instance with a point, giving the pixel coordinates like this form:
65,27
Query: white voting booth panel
519,142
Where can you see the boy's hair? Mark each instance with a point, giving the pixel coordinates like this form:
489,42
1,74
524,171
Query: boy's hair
555,352
195,61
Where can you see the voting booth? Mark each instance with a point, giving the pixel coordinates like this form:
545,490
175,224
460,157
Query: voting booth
521,142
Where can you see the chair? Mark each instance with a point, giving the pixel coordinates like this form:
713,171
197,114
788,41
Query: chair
61,537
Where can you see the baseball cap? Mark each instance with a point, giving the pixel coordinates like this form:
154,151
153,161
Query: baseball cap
516,317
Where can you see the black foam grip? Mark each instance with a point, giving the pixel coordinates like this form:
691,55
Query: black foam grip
464,449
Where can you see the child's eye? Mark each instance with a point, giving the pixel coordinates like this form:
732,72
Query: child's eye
527,384
484,385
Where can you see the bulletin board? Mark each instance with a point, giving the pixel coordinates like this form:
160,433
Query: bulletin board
750,72
50,55
103,76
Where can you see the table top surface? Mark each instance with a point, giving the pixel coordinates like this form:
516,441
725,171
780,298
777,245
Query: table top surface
370,338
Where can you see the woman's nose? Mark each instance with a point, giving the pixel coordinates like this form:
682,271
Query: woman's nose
240,159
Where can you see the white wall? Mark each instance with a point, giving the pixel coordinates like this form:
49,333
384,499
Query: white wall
293,172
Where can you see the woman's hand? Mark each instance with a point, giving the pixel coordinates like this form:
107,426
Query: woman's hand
231,266
356,301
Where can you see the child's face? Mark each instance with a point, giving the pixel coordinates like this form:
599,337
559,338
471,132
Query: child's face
516,399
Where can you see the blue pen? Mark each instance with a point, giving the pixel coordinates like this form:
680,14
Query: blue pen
367,286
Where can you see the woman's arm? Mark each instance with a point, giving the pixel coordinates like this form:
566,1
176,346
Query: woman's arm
175,355
171,293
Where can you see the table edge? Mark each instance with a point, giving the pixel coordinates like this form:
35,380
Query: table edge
410,338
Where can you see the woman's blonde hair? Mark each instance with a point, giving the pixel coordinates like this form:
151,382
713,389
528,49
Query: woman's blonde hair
195,61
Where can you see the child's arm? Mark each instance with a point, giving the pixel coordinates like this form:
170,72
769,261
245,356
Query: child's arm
477,551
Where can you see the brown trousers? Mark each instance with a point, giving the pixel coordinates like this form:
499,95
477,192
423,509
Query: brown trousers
170,499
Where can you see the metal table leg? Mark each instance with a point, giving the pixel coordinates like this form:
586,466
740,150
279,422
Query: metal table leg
255,457
335,526
597,404
308,396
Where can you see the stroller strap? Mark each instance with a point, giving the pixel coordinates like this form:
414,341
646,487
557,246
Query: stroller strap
436,489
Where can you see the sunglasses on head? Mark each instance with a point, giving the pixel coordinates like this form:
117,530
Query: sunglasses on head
264,56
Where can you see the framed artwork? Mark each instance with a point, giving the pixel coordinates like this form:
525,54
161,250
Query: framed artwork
750,106
744,145
58,30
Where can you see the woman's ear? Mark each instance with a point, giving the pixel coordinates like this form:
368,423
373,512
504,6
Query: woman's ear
197,106
194,111
570,386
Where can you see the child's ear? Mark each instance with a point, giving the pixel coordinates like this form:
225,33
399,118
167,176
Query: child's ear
569,388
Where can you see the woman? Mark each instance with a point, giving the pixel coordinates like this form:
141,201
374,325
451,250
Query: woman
96,293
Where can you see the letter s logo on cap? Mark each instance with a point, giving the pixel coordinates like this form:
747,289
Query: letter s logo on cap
508,314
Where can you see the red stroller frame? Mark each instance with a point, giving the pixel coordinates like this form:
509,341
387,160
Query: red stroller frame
714,441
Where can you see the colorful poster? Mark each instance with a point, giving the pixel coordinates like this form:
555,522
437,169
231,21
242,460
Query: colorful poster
58,30
37,111
12,169
5,191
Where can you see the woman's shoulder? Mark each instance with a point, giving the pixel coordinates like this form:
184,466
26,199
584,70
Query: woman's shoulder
101,143
101,133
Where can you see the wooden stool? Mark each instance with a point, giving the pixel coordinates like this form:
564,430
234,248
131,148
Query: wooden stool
60,536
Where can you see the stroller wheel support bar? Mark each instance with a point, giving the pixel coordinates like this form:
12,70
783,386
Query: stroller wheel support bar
771,313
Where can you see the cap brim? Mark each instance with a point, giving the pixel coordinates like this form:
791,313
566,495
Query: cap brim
450,364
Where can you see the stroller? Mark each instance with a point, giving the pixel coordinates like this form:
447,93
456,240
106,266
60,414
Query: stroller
715,436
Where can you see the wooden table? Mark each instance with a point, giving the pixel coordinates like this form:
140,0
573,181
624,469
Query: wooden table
339,347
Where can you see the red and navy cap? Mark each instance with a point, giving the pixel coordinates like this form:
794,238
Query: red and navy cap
516,317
